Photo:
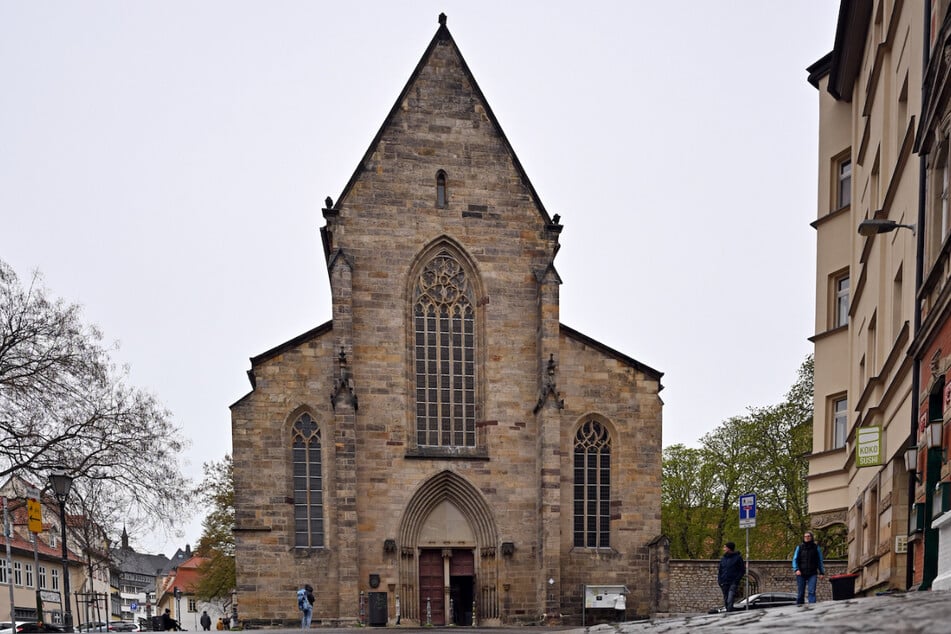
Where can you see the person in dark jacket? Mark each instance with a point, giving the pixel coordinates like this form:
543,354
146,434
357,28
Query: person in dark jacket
168,623
808,565
731,570
205,621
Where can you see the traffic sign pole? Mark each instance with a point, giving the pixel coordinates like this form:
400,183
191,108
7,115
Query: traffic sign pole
8,534
747,565
747,521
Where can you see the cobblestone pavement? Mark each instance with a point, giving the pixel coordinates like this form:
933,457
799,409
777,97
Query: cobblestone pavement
902,613
905,613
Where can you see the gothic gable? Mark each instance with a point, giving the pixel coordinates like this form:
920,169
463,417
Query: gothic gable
439,151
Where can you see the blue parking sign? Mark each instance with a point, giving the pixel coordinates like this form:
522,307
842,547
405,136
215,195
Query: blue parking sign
748,510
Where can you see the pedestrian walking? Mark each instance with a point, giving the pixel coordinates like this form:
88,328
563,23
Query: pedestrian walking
731,570
808,565
305,603
168,623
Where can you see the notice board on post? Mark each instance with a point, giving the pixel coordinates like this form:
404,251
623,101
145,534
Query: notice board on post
604,596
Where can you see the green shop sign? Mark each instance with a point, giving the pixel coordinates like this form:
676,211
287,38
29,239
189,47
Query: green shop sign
868,453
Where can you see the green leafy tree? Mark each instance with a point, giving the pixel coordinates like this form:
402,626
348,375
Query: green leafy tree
783,436
686,502
724,453
764,451
216,545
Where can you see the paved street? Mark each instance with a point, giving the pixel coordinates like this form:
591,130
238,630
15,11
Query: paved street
911,613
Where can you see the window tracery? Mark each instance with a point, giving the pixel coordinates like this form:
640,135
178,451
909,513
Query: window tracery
444,354
592,486
308,483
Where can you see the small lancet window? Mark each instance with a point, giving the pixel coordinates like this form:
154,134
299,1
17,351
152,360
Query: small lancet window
441,195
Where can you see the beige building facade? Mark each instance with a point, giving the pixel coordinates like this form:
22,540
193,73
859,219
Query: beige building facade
869,100
33,575
444,450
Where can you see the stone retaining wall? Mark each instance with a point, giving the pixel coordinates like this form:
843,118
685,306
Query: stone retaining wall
693,582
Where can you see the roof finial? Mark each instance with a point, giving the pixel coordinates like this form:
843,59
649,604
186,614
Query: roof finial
442,19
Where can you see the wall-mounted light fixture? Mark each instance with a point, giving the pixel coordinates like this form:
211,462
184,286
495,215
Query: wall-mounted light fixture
935,433
935,436
911,461
389,545
873,226
508,549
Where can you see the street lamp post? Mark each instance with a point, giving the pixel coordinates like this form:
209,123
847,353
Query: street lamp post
62,482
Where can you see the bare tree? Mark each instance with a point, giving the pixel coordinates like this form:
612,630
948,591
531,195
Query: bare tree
63,402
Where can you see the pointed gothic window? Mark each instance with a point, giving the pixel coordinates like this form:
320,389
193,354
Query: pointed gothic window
592,486
441,195
308,484
444,355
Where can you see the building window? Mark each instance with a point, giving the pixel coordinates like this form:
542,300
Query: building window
17,573
54,578
441,192
871,528
308,484
444,355
192,605
840,422
902,126
43,577
3,572
29,575
874,183
843,196
858,544
592,486
940,221
897,293
841,316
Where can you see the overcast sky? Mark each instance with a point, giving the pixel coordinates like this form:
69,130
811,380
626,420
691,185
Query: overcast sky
164,165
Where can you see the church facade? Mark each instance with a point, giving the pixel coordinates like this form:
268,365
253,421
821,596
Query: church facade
444,450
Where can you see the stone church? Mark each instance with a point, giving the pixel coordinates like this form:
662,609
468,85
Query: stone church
444,450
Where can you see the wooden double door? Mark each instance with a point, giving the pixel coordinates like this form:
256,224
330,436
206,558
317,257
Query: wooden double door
447,586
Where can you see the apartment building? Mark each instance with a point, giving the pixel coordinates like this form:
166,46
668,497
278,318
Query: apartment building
32,571
868,199
930,527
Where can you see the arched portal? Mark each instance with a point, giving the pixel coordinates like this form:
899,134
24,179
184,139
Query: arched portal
448,567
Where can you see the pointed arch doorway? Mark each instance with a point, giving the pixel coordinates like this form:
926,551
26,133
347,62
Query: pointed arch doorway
448,568
442,572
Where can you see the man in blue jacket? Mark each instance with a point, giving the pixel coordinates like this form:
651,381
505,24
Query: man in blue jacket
808,565
729,574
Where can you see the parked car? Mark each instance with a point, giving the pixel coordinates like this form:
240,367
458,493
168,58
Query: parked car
7,628
123,626
93,626
31,627
761,601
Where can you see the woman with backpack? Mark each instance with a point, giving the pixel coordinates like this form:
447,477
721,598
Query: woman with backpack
305,603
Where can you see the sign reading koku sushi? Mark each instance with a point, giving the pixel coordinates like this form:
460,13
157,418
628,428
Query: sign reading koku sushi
868,452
